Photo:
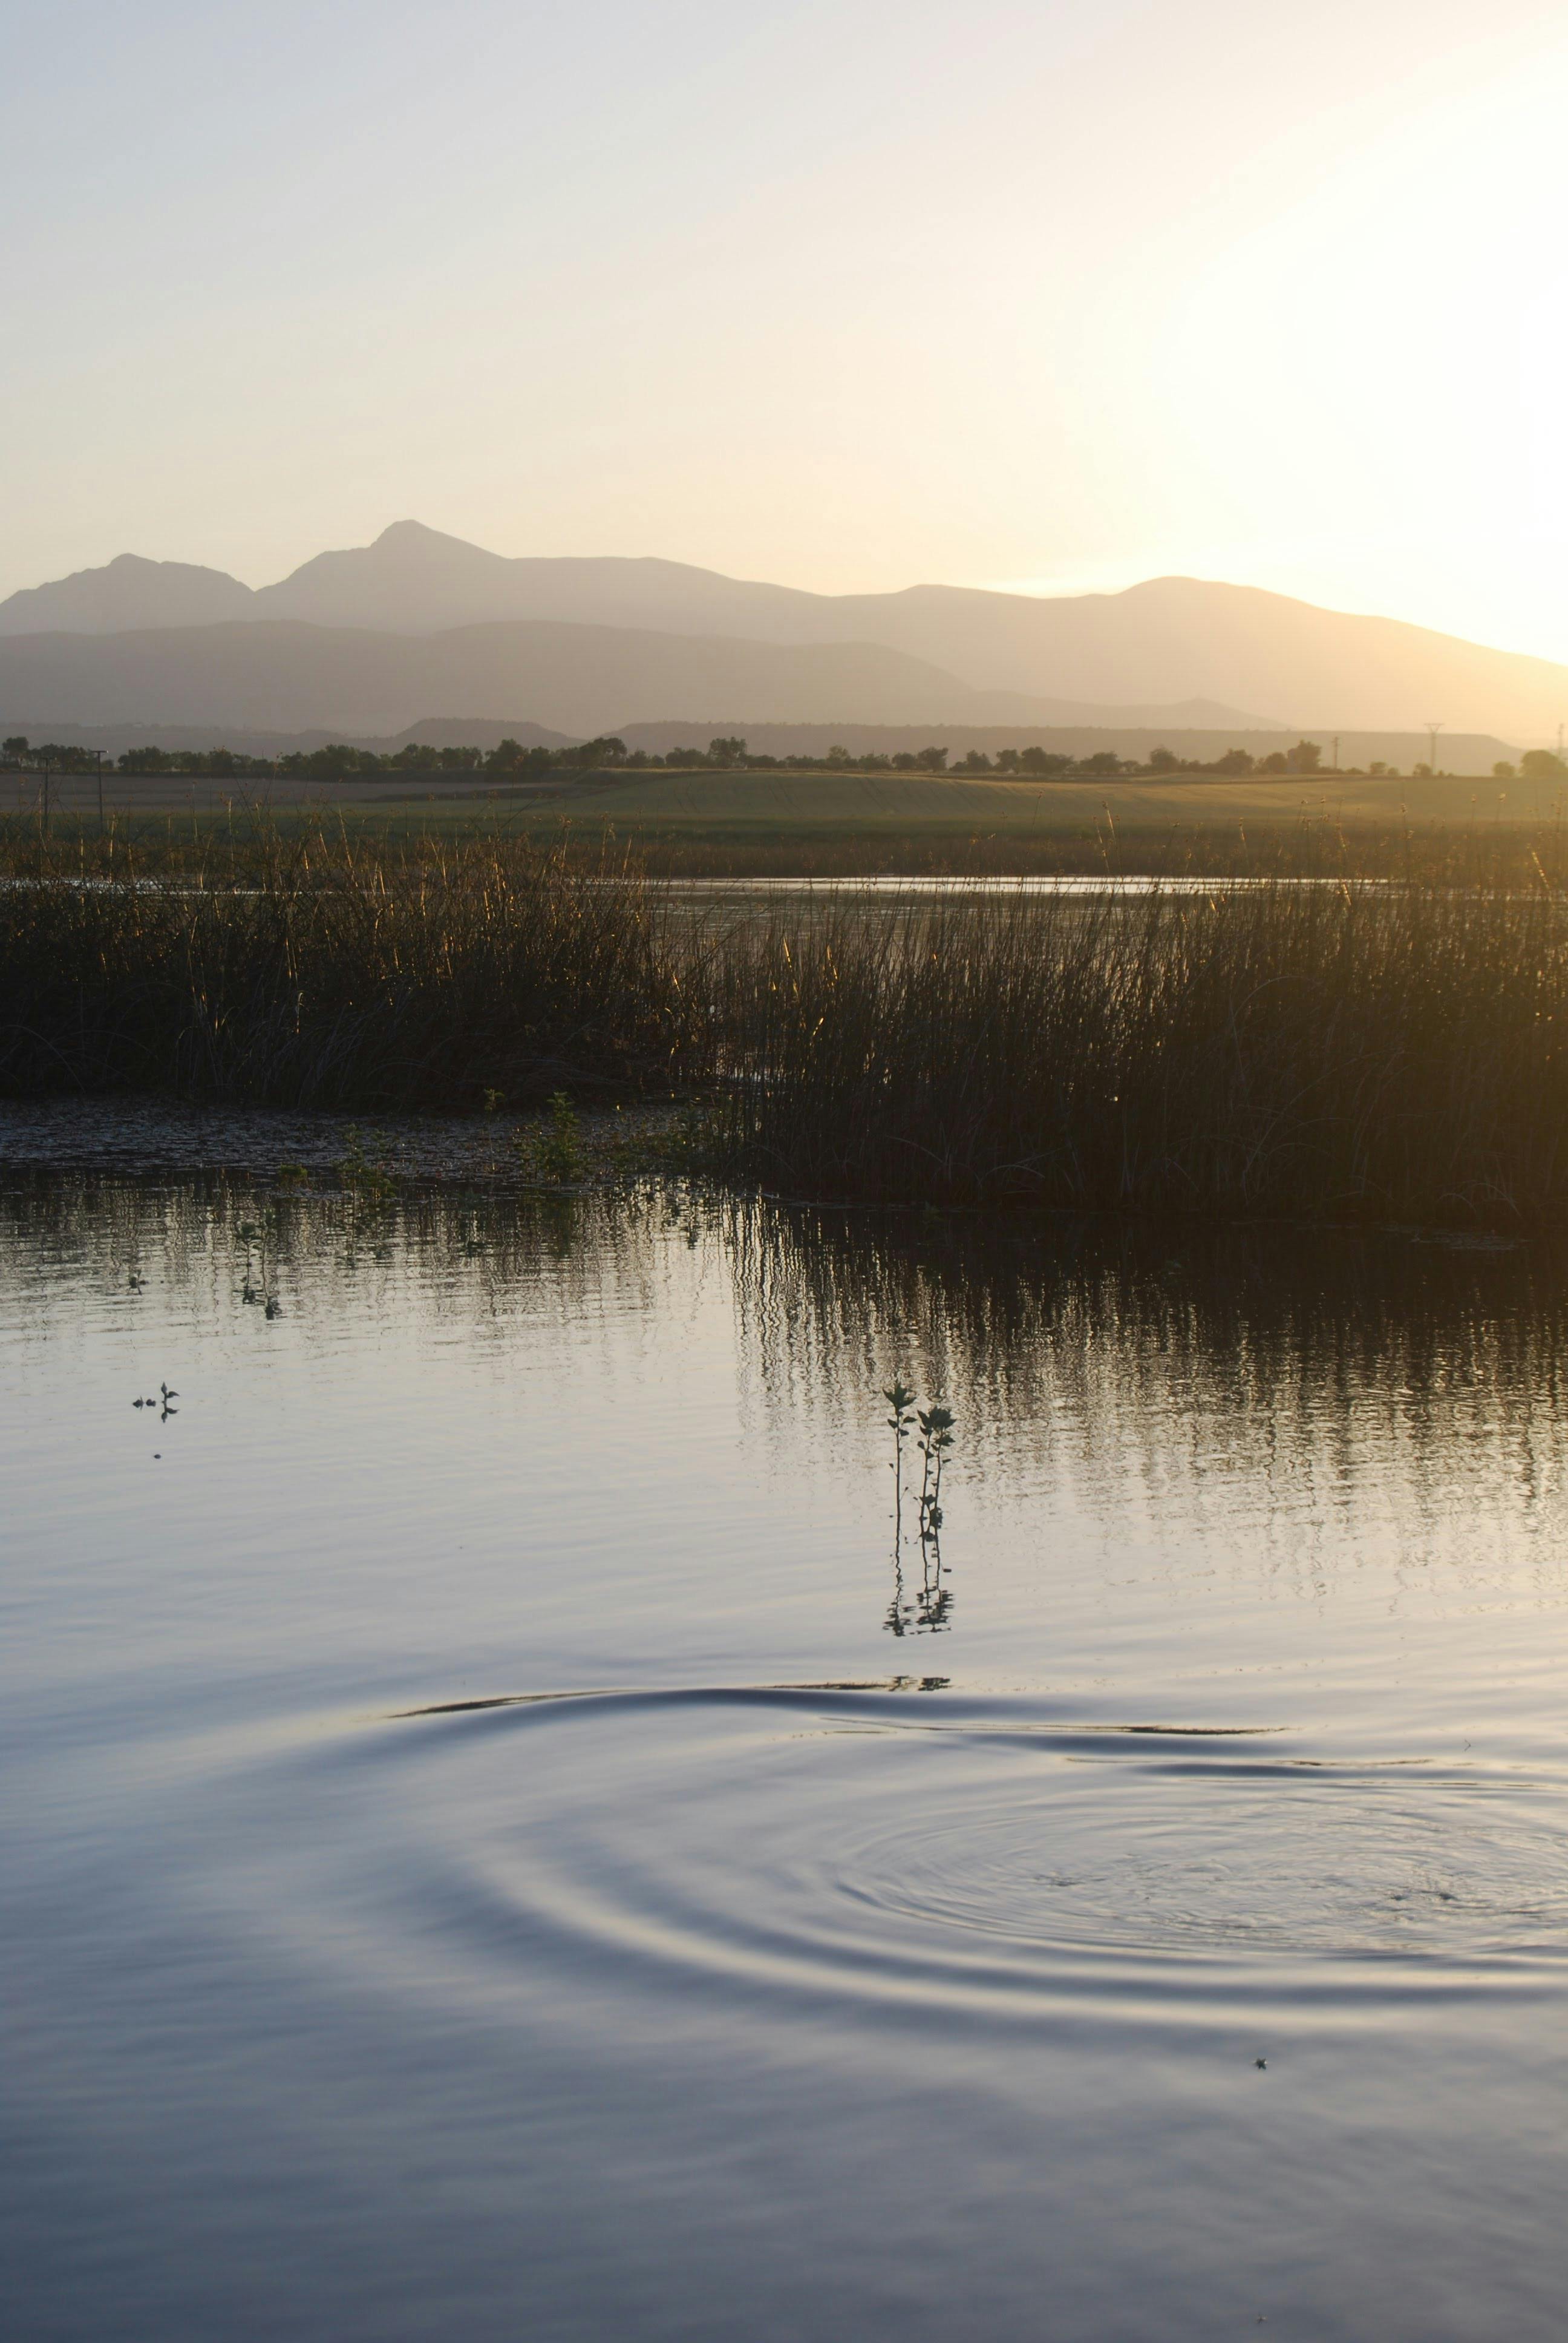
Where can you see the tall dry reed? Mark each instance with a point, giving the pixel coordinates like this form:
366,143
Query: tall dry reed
306,971
1342,1049
1355,1050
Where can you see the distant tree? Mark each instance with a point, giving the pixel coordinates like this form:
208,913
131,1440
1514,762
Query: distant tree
976,761
1306,756
1275,762
1164,761
1421,773
1235,761
16,746
728,751
606,749
1041,761
838,759
1007,761
1503,770
1104,760
337,760
1541,765
143,760
933,760
876,764
1377,771
906,762
510,756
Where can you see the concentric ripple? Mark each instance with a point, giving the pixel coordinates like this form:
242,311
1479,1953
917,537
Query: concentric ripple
899,1848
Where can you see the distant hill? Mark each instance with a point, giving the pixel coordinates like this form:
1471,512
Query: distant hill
129,593
281,676
1170,644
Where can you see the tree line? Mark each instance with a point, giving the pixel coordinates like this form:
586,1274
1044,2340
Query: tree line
509,761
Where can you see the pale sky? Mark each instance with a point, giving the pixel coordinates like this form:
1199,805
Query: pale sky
849,293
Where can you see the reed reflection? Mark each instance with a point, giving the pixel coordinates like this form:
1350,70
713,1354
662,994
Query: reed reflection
1303,1390
1307,1392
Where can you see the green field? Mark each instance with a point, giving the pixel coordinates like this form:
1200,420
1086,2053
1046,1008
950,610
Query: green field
749,805
838,824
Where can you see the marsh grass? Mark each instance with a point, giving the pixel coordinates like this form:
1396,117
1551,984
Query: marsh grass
1356,1049
313,969
1352,1049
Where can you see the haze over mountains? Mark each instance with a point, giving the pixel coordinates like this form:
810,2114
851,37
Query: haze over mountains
373,639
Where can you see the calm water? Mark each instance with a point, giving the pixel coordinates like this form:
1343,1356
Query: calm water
499,1844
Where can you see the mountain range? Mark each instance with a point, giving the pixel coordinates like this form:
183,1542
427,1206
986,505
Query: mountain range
374,638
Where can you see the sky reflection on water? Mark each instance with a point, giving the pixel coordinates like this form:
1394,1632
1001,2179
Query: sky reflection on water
480,1859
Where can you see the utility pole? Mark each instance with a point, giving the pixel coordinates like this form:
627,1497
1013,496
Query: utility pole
1432,732
1336,753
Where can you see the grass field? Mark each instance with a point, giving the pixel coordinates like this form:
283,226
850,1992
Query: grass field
826,825
737,805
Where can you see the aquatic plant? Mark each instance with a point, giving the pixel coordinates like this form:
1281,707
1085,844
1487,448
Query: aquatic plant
362,1165
554,1156
1343,1050
1347,1050
901,1401
935,1429
314,969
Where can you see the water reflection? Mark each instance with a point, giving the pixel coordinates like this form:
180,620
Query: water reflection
475,1866
1317,1398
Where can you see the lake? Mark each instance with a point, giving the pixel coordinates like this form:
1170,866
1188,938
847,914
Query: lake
505,1837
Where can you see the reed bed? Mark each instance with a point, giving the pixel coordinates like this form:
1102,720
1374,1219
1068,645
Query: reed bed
1349,1050
305,970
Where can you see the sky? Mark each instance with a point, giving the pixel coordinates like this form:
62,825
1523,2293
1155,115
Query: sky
848,295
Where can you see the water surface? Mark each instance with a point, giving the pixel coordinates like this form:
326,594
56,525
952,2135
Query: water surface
500,1840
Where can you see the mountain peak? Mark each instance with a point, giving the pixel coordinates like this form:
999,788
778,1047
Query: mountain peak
416,532
127,592
1158,644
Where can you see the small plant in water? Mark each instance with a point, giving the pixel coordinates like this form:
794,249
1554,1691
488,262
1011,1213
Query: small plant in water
903,1402
555,1155
362,1165
936,1425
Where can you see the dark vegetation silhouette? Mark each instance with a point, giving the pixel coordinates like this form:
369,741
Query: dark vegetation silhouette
1352,1048
509,760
